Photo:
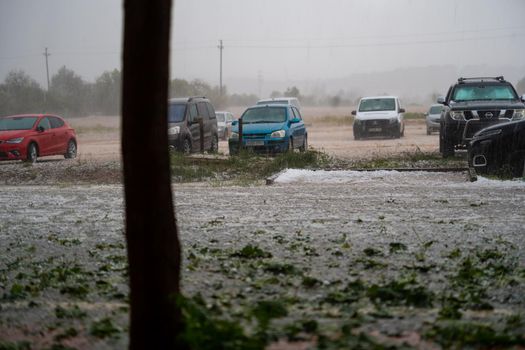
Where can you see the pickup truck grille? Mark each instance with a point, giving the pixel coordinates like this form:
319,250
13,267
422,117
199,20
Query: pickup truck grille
488,114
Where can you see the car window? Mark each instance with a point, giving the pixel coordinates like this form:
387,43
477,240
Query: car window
297,113
211,110
176,112
435,110
203,110
377,104
264,115
56,123
193,112
483,92
44,123
17,123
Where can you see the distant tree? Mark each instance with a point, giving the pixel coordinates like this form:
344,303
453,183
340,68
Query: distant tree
151,233
68,93
275,94
242,99
180,88
106,93
21,94
335,101
292,92
521,86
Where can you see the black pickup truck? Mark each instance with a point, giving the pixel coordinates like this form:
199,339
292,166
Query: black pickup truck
473,104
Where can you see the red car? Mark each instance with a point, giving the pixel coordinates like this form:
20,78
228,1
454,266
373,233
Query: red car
29,136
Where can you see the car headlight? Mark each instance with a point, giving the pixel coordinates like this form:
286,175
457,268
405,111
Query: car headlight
518,114
278,133
234,136
17,140
457,115
174,130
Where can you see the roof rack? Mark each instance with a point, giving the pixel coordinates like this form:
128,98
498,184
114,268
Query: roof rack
500,78
193,97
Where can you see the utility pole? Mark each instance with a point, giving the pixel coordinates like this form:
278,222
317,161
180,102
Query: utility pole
221,47
47,54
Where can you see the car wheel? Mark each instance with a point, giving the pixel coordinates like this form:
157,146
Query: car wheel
214,148
290,145
403,131
397,133
186,146
32,153
304,147
71,151
356,135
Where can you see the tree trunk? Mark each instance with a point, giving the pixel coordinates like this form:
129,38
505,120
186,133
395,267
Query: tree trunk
151,232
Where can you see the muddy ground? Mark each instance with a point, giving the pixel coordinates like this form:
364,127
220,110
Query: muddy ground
319,259
330,129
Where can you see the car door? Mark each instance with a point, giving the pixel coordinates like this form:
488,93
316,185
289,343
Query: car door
214,127
60,137
202,110
44,137
297,129
194,127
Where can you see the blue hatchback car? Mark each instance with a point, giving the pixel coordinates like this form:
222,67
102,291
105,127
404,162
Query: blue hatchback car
270,129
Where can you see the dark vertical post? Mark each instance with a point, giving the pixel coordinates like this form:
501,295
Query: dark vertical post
47,54
201,132
151,233
221,47
240,134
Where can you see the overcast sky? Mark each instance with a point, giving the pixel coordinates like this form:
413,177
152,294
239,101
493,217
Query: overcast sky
285,40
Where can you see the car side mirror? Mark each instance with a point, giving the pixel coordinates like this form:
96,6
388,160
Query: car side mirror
401,110
235,122
441,100
523,98
354,112
295,120
40,129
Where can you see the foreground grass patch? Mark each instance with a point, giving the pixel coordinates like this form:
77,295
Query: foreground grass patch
245,166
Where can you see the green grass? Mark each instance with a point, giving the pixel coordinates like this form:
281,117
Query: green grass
414,115
245,167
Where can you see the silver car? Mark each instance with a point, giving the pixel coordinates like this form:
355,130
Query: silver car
433,117
224,124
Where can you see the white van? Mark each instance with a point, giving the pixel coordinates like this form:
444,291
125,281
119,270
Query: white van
379,116
291,101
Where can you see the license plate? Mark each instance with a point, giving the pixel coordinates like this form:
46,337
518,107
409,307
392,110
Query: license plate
254,143
375,129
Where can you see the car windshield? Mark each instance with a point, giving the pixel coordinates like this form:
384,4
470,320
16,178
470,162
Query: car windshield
377,104
264,115
176,113
483,93
17,123
221,117
435,110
